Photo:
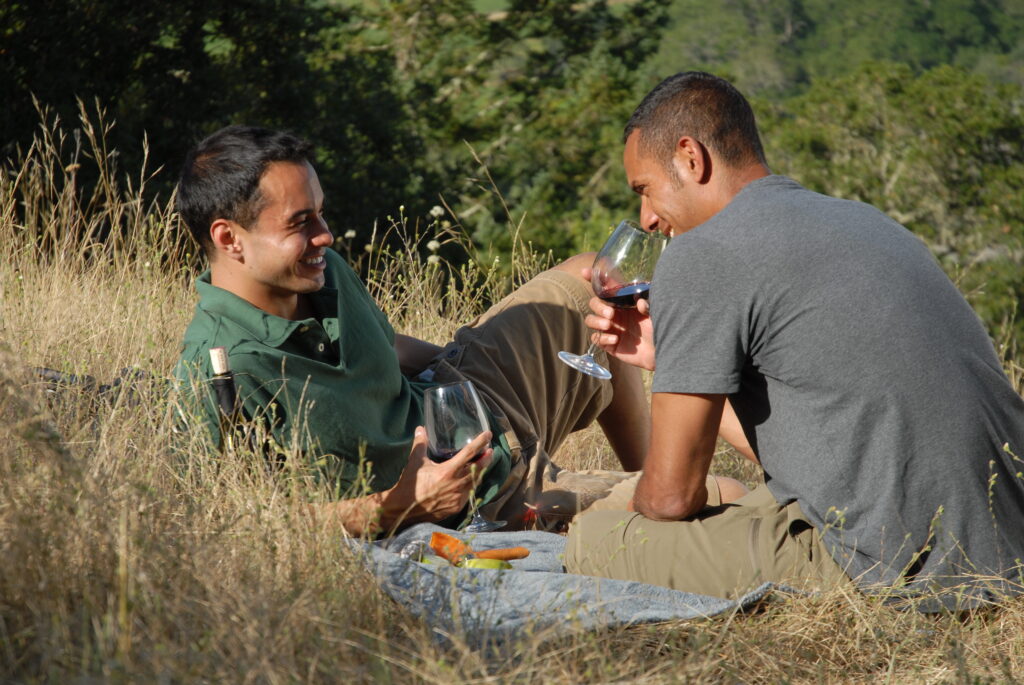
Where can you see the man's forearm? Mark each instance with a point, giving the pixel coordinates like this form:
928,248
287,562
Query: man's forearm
414,354
358,516
370,514
425,492
659,504
685,428
373,514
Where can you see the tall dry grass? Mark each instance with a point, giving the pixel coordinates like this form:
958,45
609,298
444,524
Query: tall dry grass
127,560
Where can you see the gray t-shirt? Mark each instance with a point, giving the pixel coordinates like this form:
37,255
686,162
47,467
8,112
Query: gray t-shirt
864,381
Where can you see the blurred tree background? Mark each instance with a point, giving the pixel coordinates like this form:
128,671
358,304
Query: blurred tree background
510,112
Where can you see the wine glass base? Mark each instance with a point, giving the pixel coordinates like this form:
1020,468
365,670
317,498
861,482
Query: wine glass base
481,525
586,364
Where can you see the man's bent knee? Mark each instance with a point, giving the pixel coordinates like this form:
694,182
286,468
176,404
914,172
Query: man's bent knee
576,263
730,489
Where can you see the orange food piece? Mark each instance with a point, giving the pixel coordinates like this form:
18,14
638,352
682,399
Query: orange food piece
449,547
455,550
505,553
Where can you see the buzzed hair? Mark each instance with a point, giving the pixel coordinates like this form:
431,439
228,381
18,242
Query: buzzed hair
702,106
220,178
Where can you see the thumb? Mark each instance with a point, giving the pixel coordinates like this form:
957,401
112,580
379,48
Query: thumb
419,444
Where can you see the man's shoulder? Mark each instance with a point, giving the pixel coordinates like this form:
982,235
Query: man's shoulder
200,335
220,319
248,351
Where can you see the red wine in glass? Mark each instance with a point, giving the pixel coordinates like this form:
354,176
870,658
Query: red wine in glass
621,276
441,455
626,296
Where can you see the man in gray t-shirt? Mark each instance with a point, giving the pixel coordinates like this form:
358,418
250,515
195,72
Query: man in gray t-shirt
820,338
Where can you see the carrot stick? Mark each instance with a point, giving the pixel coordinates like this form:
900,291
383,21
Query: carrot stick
505,553
455,550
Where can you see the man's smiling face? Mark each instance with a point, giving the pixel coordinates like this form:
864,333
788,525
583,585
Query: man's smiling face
283,250
667,203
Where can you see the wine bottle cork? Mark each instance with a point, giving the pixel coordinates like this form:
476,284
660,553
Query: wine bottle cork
219,360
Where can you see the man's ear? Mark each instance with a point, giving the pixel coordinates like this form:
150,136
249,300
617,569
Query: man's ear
225,237
691,160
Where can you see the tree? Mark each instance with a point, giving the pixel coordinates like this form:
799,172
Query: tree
776,48
540,96
174,72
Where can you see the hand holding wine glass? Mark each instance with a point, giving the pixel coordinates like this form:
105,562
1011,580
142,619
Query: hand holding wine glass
454,417
428,491
624,333
621,276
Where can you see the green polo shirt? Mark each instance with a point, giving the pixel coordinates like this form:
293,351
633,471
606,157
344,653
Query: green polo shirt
329,386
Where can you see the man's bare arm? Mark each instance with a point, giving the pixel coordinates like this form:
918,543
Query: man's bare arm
684,431
414,354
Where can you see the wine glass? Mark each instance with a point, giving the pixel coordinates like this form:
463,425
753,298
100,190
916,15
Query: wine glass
621,276
454,415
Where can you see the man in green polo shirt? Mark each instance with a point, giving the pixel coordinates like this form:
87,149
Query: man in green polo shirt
317,361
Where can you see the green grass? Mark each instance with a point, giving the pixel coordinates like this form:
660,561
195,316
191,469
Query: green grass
126,560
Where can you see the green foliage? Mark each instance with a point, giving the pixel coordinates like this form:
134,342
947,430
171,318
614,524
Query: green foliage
538,98
753,43
941,152
178,71
391,92
778,47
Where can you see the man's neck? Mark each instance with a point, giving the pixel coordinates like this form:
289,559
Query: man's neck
287,305
733,180
747,174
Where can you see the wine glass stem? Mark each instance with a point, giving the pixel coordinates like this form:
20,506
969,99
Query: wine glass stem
591,350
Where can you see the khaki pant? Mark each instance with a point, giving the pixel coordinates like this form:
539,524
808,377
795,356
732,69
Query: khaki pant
511,355
724,551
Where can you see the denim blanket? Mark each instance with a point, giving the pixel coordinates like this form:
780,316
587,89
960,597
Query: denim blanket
482,607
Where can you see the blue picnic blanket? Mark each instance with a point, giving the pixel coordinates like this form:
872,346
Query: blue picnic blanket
481,607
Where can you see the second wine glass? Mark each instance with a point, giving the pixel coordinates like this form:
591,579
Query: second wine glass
454,415
621,276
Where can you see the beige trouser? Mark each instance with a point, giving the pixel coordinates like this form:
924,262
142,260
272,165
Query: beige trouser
511,355
724,551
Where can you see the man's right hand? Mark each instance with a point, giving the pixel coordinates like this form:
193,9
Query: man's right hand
626,334
428,491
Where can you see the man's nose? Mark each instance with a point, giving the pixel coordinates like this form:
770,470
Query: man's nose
649,220
323,236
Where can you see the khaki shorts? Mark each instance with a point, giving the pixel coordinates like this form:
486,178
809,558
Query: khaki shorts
511,355
724,551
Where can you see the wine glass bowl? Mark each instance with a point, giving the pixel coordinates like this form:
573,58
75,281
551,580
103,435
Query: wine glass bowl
621,276
454,415
624,267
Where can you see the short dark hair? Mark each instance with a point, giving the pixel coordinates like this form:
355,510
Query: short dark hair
221,176
700,105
